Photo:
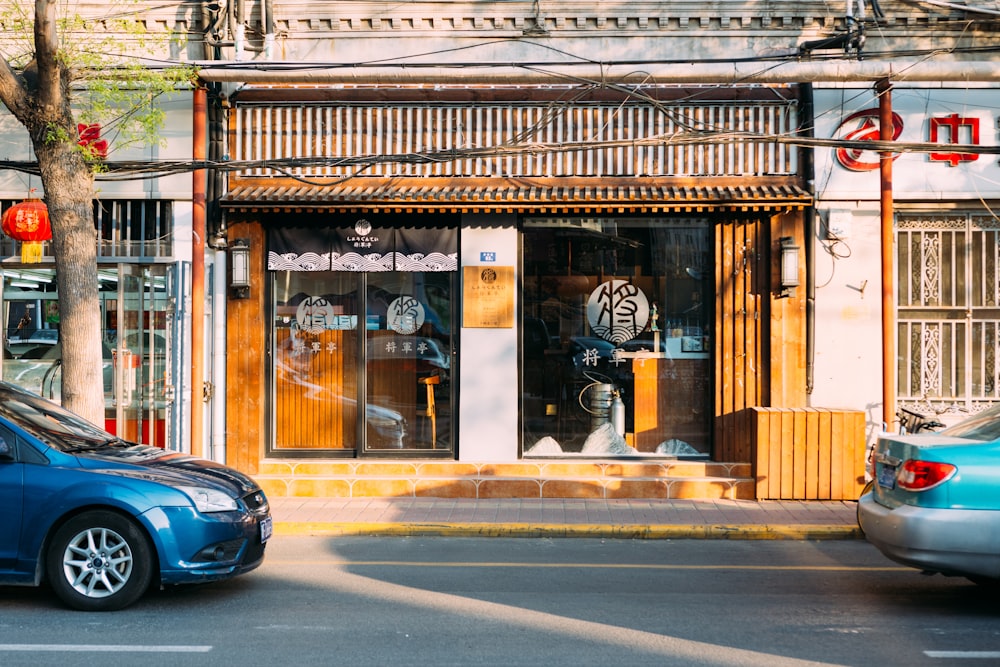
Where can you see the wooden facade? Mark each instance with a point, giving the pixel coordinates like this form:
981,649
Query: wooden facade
759,339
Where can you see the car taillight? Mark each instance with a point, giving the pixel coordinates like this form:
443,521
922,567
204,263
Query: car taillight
923,475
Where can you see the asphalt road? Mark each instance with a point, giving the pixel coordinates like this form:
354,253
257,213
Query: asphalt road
493,601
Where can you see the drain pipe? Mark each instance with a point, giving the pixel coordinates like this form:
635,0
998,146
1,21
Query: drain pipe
268,11
216,239
240,31
809,171
219,309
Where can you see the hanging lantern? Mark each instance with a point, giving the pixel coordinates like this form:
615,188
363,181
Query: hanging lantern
28,222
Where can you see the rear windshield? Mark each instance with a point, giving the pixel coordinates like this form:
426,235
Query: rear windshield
984,426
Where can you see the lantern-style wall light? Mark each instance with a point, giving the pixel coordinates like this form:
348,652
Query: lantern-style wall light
239,268
789,277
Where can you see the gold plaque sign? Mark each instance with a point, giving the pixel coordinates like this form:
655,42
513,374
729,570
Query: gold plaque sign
488,297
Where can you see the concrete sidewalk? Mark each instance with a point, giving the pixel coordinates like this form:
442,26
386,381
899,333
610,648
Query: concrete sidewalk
567,517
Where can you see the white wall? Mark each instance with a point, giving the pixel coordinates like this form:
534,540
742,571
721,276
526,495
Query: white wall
848,332
488,374
848,337
176,134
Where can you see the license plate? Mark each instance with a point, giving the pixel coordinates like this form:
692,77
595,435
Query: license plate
266,529
887,476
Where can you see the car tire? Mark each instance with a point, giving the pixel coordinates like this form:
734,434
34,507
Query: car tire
99,561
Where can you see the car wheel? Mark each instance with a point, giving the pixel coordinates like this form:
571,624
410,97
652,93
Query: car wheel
99,561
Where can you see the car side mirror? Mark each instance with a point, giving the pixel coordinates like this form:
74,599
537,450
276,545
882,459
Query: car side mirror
6,451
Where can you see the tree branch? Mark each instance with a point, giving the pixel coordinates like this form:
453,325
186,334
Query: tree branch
12,91
47,55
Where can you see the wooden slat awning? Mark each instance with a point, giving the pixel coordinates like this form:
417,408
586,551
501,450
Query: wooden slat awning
596,196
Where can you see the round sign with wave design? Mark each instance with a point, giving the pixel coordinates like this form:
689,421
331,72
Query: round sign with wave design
617,311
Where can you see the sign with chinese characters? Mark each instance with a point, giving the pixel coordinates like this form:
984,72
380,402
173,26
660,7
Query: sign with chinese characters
405,315
952,129
945,119
488,297
617,311
314,314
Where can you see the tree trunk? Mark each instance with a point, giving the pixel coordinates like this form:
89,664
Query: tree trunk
39,98
69,191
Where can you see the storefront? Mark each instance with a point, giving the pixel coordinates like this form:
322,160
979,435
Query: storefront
497,274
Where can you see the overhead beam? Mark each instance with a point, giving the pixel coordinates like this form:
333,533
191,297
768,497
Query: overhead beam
732,73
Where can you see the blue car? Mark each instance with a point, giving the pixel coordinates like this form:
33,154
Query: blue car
101,520
934,503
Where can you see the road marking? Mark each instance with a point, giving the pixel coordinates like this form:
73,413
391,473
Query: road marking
968,655
601,566
103,648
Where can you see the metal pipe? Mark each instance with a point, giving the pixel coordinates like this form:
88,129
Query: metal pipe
733,73
809,173
218,366
198,217
268,11
884,90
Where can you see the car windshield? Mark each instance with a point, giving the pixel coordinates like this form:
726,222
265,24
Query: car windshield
985,426
52,424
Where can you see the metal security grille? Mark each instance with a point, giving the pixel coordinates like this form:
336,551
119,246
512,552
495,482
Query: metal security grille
126,229
948,312
580,139
134,228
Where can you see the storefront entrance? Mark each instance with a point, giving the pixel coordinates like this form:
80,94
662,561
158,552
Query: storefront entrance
138,314
362,340
616,336
351,344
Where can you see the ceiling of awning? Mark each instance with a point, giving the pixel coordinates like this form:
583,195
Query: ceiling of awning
516,198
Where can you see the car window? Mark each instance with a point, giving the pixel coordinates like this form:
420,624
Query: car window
984,426
55,426
8,443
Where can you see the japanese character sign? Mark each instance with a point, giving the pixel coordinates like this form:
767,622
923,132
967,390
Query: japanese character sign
405,315
617,311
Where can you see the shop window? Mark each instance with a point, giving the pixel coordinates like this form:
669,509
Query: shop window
615,337
362,340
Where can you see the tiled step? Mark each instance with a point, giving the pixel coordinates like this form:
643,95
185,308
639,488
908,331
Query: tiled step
525,479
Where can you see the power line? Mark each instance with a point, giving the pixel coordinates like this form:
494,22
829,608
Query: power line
146,169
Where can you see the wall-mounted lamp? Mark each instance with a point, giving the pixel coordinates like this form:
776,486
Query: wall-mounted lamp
789,266
239,268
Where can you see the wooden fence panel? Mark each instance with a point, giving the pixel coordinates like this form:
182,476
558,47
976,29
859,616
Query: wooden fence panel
807,453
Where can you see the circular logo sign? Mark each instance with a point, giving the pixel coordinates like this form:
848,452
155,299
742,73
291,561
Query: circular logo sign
617,311
314,314
405,315
362,227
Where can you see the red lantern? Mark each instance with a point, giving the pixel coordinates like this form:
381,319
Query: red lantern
28,222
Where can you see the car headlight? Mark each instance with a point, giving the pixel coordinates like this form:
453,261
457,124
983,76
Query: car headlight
210,500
